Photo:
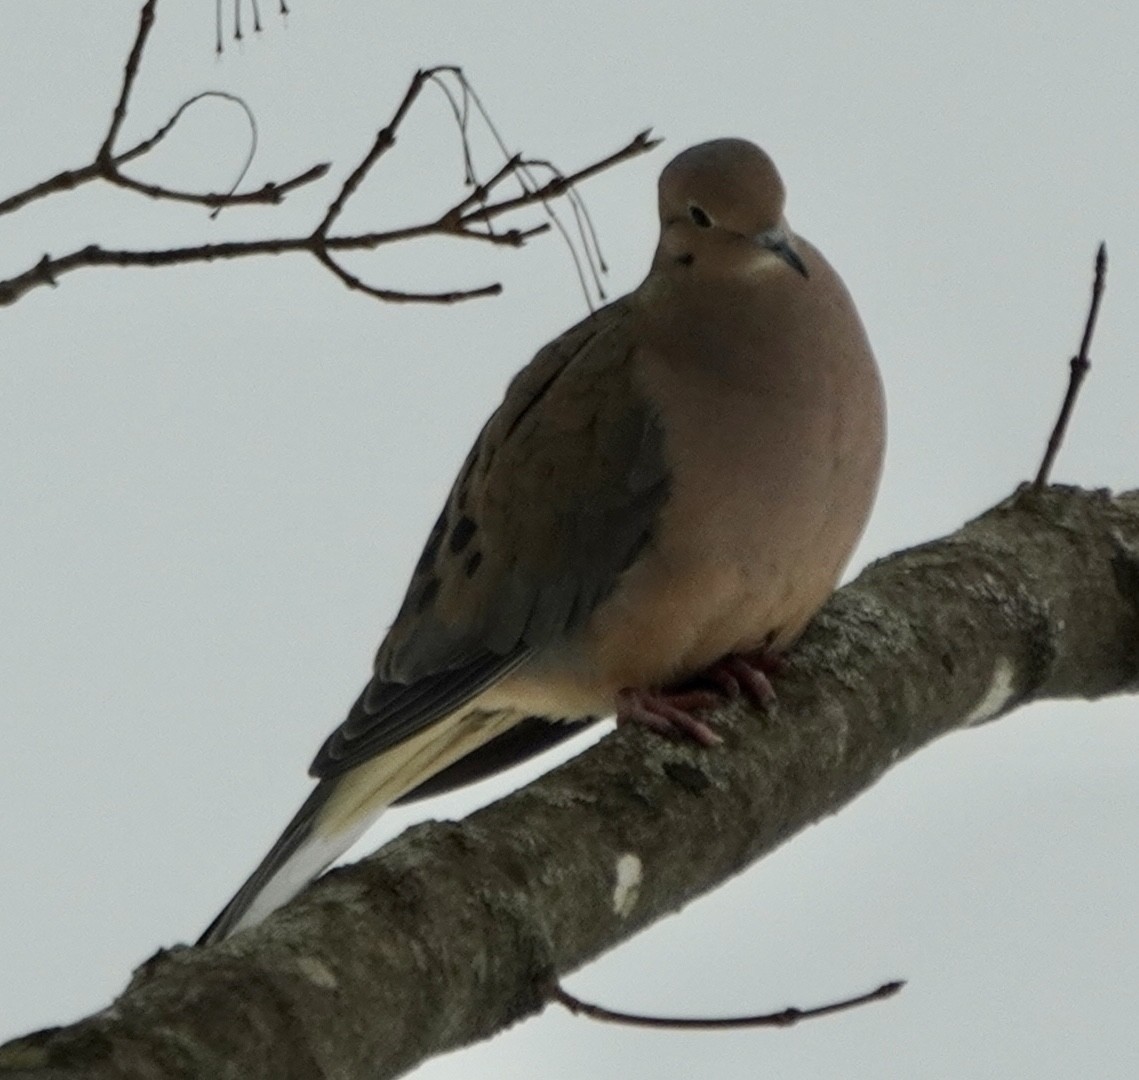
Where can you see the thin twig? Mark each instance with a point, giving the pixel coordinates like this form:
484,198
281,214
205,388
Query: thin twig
1079,366
398,295
67,180
585,231
108,169
282,8
271,193
470,218
462,115
454,222
511,238
784,1018
150,143
529,184
385,140
481,192
556,187
111,173
106,152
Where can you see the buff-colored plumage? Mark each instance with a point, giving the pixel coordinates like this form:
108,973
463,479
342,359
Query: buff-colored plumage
681,476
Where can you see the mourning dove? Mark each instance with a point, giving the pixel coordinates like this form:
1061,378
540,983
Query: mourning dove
672,486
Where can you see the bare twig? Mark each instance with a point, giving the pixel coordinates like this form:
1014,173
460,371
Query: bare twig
270,193
109,167
462,115
510,238
559,184
399,296
282,7
64,181
106,152
471,217
784,1018
481,192
1079,366
107,164
585,231
522,171
529,184
385,140
454,222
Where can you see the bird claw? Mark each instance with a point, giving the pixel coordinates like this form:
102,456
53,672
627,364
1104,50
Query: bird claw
746,674
670,712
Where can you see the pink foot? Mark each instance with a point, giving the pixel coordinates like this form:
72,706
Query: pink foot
669,712
747,674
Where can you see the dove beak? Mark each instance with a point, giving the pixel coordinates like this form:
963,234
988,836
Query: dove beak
777,241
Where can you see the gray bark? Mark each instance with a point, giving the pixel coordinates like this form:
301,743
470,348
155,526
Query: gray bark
449,933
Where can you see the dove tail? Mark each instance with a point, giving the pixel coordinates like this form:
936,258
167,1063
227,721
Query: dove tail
300,854
341,808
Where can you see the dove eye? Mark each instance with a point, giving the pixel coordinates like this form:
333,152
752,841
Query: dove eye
699,216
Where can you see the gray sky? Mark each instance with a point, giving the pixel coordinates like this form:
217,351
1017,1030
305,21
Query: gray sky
216,481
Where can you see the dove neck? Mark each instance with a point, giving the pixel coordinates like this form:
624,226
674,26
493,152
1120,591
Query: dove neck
723,322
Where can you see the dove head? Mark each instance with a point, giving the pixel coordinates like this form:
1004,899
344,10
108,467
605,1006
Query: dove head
721,213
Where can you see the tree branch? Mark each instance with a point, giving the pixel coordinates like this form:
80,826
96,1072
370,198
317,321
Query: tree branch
462,220
1078,368
270,193
106,152
451,933
457,221
787,1017
453,222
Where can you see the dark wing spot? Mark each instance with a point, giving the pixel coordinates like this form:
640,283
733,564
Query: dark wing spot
687,259
461,485
431,548
430,591
462,533
474,560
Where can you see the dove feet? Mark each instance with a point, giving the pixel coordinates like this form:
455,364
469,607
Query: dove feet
670,711
747,675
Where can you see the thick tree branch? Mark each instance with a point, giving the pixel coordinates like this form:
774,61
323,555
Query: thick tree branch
449,933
